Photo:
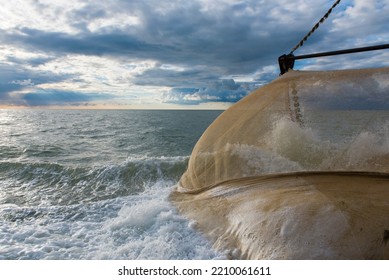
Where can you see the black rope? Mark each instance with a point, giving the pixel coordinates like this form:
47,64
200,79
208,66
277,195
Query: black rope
316,26
286,62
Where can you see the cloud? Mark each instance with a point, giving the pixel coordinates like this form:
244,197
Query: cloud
60,97
168,76
229,36
225,90
16,79
352,24
363,19
22,86
89,44
184,44
33,62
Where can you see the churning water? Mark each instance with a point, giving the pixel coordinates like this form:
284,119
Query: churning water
94,184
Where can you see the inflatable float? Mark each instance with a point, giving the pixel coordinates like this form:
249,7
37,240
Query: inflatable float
298,169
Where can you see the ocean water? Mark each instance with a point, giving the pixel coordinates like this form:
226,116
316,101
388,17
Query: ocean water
94,184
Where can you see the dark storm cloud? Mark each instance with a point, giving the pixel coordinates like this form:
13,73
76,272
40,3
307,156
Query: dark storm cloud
60,97
239,38
175,78
31,61
18,78
225,90
203,42
87,13
230,37
58,43
15,79
10,73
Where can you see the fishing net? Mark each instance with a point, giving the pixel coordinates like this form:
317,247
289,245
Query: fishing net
302,121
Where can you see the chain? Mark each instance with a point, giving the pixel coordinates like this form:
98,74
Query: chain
294,109
315,27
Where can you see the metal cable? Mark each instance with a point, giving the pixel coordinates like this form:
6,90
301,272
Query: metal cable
347,51
315,27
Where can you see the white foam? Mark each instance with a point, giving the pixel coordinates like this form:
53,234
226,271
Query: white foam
368,145
142,226
260,161
290,147
298,144
155,231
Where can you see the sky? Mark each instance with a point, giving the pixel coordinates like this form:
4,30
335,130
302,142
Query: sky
157,54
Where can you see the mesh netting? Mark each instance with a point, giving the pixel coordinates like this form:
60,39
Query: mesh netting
302,121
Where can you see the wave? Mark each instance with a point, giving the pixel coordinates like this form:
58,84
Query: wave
37,183
144,226
290,147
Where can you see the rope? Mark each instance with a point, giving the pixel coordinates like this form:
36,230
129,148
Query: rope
315,27
286,61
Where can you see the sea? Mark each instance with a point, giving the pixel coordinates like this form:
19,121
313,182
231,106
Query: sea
94,184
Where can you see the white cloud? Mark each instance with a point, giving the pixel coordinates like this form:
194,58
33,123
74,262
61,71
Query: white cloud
363,19
138,51
27,82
